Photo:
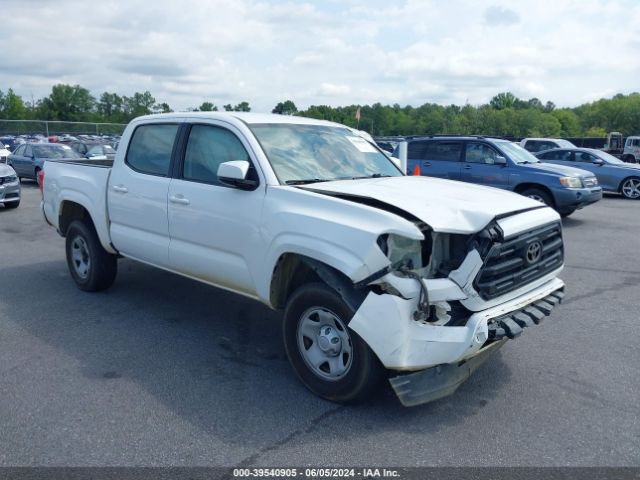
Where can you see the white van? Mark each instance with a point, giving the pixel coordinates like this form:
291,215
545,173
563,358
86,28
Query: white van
631,152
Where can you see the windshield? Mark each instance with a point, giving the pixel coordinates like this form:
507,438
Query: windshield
55,151
516,153
307,153
607,157
108,149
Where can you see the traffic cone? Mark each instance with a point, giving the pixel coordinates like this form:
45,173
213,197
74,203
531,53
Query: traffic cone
416,171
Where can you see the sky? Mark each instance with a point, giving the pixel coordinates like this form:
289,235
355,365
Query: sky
331,52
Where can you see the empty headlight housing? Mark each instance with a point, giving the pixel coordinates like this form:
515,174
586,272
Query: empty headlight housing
398,248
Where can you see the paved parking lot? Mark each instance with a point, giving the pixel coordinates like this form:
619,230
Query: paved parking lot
161,370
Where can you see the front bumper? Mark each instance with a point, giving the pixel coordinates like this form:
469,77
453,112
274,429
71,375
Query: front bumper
570,199
442,356
443,380
10,192
439,382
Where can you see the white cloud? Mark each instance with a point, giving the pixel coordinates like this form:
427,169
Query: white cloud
331,90
337,53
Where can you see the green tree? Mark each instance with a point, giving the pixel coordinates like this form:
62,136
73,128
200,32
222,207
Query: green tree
139,104
162,108
596,132
503,100
207,107
67,103
11,106
285,108
242,107
111,107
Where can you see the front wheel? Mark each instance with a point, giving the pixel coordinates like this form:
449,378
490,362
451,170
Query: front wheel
630,188
91,266
10,205
539,195
330,360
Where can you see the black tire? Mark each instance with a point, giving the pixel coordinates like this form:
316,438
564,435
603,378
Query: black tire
37,171
101,266
628,188
10,205
566,214
540,195
365,370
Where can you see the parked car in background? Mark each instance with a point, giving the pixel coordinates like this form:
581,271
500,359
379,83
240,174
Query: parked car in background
9,187
94,150
28,159
631,152
534,145
8,142
4,153
613,174
502,164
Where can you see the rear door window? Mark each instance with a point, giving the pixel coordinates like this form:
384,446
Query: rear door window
151,147
417,150
444,151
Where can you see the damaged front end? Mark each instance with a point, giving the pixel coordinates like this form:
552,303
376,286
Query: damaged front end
443,304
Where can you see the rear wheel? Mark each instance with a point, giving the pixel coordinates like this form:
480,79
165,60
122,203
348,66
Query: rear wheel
539,195
37,171
330,360
566,214
90,265
630,188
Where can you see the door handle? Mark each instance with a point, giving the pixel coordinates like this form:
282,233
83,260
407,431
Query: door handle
179,199
467,167
426,164
120,188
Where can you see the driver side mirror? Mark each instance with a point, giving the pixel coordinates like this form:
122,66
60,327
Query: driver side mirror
598,161
500,160
234,174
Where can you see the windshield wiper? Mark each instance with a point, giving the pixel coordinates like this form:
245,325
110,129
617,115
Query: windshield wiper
305,181
375,175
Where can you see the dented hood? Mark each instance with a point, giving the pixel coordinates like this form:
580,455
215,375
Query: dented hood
445,205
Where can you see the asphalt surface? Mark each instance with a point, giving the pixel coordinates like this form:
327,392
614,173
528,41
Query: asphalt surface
161,370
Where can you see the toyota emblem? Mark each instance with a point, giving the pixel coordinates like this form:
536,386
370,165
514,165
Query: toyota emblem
534,251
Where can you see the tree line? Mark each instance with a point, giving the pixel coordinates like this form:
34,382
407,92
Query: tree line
505,115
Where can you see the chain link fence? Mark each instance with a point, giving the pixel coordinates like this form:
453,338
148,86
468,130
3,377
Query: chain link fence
49,127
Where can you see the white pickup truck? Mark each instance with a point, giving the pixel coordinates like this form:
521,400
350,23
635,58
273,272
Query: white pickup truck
380,275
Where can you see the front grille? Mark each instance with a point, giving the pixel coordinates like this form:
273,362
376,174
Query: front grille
10,179
511,264
590,181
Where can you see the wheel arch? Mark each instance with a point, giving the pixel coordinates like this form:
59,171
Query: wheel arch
292,270
73,208
521,187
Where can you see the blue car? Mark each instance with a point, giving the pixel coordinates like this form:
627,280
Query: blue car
502,164
27,160
613,174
